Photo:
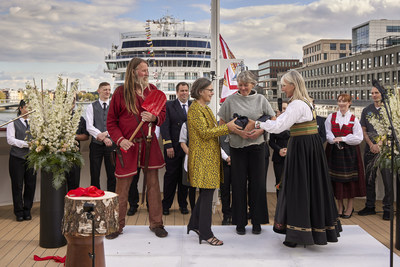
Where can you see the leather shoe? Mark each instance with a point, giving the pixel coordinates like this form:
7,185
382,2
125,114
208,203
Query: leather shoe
19,218
386,215
27,217
256,229
131,211
344,216
184,210
367,211
227,220
159,231
165,212
240,230
113,235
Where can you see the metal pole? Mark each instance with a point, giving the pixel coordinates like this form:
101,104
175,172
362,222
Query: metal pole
215,62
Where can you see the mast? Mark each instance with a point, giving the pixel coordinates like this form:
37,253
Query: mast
215,64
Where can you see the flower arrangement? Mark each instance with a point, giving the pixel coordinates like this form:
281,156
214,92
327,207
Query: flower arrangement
381,125
53,125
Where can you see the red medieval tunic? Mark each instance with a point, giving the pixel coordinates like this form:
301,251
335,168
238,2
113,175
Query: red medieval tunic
121,124
345,165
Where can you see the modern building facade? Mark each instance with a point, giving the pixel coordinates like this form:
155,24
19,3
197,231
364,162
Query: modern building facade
325,50
375,34
268,73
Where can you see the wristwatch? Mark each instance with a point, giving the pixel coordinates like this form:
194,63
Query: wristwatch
257,125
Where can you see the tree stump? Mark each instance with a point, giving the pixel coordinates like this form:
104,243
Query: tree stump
77,228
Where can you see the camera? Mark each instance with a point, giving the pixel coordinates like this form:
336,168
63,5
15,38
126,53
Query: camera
88,207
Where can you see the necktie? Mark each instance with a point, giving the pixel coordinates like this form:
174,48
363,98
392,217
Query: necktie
26,122
184,109
104,106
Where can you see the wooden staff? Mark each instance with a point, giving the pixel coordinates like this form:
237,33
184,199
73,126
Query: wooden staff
17,118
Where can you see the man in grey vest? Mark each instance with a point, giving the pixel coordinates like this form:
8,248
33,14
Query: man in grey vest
101,145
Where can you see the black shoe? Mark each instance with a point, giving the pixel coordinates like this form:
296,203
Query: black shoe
386,215
27,217
240,230
131,211
256,229
19,218
113,235
344,216
290,244
184,210
367,211
227,220
165,212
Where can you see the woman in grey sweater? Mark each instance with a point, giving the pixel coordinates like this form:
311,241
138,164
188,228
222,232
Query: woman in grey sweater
247,155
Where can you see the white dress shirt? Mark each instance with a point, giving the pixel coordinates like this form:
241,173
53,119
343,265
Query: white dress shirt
11,140
296,112
351,139
93,131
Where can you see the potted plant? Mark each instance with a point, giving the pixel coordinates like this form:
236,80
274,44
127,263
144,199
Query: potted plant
53,150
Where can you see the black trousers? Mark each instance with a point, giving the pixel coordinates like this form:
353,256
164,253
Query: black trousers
202,214
133,197
226,191
73,178
278,169
248,163
172,179
23,185
370,181
96,155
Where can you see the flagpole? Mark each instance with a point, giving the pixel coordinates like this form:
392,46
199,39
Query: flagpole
215,63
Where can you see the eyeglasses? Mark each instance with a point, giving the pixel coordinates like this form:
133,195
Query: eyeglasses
211,90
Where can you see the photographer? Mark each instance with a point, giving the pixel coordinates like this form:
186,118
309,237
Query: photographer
247,154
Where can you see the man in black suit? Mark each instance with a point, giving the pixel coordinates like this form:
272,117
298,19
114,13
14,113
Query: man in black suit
176,115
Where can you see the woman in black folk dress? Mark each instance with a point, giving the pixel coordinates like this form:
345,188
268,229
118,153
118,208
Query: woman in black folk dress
306,210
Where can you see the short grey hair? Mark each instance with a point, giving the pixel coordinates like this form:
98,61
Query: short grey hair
247,77
199,85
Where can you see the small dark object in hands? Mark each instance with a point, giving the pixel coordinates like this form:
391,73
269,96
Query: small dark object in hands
241,120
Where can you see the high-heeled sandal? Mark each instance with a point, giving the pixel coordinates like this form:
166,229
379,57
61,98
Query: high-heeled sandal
213,242
347,216
194,230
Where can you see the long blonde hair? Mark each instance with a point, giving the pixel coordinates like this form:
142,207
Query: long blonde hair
131,80
295,78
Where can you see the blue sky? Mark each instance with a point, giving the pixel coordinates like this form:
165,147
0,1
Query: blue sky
44,38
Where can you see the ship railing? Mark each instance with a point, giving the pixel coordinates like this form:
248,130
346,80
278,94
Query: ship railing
109,57
191,34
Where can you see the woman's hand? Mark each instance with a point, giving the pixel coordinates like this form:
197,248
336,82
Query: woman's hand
250,125
147,116
282,152
337,139
255,133
232,127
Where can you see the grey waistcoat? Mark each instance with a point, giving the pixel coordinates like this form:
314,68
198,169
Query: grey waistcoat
20,134
99,119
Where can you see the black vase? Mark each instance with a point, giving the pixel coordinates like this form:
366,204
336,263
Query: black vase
51,212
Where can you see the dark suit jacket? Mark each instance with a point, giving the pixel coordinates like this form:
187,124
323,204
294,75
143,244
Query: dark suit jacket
277,142
172,125
321,128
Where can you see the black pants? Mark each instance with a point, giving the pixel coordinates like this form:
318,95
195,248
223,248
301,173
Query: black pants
73,178
23,185
370,181
278,169
172,179
202,214
133,197
226,191
248,163
96,155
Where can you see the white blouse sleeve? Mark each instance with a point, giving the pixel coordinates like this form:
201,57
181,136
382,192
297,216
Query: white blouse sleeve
328,128
356,137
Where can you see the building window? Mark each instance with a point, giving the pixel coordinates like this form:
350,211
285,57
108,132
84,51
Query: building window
342,46
332,46
171,86
341,55
171,75
392,28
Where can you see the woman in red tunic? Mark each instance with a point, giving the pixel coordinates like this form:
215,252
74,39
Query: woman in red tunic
124,115
344,134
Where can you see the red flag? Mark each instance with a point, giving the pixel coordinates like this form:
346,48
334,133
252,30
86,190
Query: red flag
230,84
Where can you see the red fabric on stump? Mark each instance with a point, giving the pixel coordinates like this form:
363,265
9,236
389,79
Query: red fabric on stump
91,191
55,258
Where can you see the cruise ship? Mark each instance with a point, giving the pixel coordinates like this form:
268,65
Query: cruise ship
173,54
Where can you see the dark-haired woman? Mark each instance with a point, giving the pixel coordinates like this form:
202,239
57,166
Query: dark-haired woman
23,179
204,164
344,134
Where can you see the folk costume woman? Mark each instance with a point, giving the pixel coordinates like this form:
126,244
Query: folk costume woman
306,210
344,134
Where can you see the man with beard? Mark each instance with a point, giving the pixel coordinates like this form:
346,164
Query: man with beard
124,116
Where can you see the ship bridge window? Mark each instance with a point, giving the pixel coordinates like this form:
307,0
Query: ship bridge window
167,43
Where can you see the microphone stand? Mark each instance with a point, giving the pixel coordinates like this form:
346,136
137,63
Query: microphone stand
394,141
